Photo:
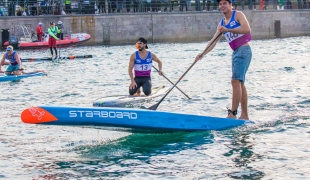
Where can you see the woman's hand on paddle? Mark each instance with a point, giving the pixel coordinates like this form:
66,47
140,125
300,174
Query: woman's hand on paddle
132,85
160,72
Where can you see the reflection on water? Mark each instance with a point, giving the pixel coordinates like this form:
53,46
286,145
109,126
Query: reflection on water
241,152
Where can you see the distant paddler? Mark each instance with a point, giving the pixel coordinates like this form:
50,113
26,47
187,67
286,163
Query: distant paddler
15,64
52,31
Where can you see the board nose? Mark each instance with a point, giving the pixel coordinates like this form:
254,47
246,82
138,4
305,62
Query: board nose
36,115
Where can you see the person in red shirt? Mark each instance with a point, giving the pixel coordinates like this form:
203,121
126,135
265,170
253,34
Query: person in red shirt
39,32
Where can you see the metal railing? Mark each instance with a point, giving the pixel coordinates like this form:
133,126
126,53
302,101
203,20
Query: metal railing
61,7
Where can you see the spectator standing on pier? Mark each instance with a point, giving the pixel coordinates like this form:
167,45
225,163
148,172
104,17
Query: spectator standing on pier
266,4
39,32
215,5
60,26
208,5
68,6
127,5
188,5
242,4
135,6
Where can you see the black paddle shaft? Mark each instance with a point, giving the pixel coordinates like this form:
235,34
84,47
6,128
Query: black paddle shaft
155,106
173,84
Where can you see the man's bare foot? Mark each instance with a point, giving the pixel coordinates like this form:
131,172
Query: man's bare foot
137,93
244,117
231,116
17,72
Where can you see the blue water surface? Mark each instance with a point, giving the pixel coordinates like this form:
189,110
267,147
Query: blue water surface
275,147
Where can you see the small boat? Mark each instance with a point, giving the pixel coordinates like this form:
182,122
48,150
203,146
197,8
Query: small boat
134,119
29,40
4,77
128,100
35,59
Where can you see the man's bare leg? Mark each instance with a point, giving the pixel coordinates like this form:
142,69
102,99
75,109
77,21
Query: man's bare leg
236,96
244,104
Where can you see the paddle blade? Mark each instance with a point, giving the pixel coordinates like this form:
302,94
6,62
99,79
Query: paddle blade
37,115
154,107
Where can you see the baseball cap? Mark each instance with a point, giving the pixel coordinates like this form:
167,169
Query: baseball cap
40,23
218,1
143,40
9,48
51,23
59,22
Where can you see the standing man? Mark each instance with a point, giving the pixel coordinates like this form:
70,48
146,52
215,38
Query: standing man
39,32
141,62
237,31
68,6
15,65
52,31
61,29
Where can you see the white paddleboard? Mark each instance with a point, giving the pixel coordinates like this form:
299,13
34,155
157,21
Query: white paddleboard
122,100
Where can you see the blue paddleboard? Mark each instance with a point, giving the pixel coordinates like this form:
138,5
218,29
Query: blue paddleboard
126,118
4,77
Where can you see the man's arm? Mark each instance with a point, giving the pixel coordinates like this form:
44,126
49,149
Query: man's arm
57,30
16,56
160,64
210,46
2,61
130,67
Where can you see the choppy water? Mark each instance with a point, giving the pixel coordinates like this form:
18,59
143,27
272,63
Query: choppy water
277,147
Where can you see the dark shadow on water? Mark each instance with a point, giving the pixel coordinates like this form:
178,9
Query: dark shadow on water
117,159
147,145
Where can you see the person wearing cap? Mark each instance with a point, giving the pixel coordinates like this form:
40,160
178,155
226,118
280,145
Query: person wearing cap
60,26
15,64
39,32
141,63
236,29
52,31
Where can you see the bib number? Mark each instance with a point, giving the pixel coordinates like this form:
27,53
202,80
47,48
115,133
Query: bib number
231,36
144,67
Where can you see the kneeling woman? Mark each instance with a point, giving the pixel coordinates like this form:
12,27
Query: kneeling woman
15,64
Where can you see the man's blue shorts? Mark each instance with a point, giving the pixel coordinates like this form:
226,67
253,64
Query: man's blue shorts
12,68
241,60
